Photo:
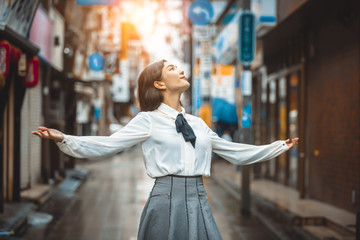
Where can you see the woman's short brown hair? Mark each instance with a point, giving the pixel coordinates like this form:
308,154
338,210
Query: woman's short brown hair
149,97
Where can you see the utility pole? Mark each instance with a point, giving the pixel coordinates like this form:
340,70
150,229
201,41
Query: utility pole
246,54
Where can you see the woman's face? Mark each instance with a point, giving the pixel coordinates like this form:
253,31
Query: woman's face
174,78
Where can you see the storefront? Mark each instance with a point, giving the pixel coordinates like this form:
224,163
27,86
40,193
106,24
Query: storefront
19,71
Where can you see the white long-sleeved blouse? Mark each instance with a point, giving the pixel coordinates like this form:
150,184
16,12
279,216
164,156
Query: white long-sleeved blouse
164,149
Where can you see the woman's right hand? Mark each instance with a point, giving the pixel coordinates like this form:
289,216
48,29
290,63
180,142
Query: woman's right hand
49,133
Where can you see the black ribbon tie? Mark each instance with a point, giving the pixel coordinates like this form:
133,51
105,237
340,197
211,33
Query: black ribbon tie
183,127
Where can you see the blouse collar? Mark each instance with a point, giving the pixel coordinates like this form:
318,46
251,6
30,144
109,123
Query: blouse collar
170,111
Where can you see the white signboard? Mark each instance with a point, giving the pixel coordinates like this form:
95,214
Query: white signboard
120,87
246,83
58,36
223,84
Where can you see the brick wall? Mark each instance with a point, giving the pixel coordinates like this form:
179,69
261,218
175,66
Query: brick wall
333,106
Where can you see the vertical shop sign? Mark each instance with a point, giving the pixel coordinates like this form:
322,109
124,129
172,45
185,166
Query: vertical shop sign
58,37
120,87
41,33
247,38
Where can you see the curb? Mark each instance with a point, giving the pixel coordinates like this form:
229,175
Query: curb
16,220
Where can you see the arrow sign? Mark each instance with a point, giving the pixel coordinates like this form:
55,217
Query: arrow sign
96,61
247,38
200,12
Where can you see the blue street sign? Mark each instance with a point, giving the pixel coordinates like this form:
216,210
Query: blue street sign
246,116
247,38
200,12
96,61
96,2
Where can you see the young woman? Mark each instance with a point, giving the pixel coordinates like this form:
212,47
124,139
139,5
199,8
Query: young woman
177,153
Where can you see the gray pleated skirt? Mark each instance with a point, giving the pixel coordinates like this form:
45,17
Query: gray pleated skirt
178,209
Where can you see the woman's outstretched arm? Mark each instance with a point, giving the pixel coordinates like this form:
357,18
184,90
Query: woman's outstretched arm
242,154
136,131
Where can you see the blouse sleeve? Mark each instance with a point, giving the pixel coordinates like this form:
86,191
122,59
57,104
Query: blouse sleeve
242,154
136,131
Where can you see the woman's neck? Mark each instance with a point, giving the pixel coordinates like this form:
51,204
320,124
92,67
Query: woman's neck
173,101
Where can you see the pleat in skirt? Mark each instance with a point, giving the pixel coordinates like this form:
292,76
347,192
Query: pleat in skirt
178,209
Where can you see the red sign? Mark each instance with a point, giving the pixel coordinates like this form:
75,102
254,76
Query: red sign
32,76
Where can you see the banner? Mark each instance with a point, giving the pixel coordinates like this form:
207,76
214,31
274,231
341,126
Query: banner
223,95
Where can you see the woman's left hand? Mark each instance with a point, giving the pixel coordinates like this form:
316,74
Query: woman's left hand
292,142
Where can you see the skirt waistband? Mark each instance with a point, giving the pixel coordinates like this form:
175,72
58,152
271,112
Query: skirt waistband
178,179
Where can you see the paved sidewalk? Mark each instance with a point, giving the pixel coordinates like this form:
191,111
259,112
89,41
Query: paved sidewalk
327,222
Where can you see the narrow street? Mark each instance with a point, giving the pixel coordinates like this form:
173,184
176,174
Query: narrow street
109,203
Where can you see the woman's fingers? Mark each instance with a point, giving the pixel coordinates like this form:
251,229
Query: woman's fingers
48,133
292,142
37,134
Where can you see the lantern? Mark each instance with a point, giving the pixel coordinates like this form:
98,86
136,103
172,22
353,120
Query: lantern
31,79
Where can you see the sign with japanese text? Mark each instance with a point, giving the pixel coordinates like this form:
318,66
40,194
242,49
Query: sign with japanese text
247,38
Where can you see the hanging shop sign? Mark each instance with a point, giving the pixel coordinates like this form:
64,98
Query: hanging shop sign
78,66
58,37
247,38
32,76
201,12
41,34
246,83
120,87
226,43
18,15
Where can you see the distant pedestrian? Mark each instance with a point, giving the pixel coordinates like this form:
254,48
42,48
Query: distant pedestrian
227,136
177,150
